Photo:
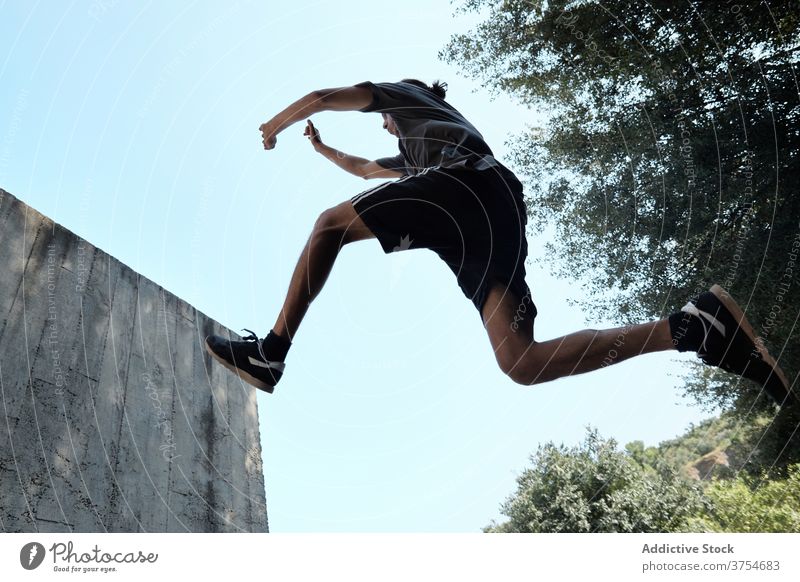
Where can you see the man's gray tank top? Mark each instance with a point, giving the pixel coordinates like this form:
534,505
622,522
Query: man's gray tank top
432,132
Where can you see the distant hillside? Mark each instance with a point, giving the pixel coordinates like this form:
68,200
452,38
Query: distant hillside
722,447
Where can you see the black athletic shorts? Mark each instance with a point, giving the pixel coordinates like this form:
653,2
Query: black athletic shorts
473,219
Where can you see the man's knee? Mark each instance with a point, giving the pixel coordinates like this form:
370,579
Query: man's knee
342,222
329,221
526,368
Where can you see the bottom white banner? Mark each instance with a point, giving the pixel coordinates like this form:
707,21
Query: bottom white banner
403,557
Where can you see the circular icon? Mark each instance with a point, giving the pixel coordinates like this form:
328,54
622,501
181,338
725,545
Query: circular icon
31,555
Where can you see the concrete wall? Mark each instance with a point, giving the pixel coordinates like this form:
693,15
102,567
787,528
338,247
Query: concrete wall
113,417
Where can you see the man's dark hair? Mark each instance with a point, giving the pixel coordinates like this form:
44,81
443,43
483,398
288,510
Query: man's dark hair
438,88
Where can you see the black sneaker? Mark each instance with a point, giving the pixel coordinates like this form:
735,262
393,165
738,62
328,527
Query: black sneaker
714,326
246,358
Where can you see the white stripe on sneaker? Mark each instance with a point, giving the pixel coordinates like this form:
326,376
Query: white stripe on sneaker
692,309
261,364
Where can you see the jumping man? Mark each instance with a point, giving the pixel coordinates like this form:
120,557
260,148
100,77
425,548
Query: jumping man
452,196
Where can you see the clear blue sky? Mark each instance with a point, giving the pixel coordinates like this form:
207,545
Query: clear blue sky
135,124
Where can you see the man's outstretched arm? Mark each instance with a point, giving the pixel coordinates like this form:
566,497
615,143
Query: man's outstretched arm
357,166
338,99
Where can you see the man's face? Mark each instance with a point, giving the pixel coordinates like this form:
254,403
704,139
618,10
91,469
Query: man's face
389,125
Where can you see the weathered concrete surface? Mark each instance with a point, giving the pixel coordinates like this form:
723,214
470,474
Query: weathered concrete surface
113,417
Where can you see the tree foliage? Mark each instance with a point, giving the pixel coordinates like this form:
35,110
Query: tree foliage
670,160
750,505
596,488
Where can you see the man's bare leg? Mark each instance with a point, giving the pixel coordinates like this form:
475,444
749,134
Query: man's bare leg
334,228
261,363
529,362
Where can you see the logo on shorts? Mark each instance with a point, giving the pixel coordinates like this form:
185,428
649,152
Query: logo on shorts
31,555
405,244
399,263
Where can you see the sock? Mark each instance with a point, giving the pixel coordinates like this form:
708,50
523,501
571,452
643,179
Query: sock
275,346
687,333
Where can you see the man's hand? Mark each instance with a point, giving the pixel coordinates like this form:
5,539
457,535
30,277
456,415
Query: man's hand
268,135
313,134
339,99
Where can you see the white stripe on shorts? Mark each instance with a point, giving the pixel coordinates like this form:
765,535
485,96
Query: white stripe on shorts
379,187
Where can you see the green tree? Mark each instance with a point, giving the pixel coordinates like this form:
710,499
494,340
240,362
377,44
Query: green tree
751,505
596,488
670,159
